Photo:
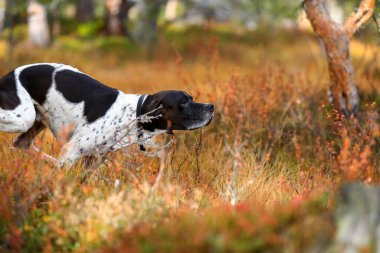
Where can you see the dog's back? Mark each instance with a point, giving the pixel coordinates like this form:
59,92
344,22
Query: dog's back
87,116
51,87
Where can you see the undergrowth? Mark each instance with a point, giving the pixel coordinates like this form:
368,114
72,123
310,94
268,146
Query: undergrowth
261,178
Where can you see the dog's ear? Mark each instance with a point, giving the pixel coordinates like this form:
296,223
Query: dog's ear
153,105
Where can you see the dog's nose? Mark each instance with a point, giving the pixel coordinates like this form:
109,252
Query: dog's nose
210,107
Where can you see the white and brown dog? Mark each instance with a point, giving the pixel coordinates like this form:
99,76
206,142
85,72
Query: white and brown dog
99,118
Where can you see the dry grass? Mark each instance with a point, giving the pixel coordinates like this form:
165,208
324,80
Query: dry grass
275,149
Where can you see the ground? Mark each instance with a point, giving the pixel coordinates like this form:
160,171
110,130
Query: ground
262,177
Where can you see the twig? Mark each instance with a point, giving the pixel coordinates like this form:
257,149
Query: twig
198,147
360,16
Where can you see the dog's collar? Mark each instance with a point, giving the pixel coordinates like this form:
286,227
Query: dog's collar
140,103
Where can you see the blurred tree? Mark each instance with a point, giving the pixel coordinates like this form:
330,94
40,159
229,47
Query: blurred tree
117,16
9,23
271,11
13,8
251,13
336,41
171,10
38,28
146,24
85,10
2,14
200,11
53,7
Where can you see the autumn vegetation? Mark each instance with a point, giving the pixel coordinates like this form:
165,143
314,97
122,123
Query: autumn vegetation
262,177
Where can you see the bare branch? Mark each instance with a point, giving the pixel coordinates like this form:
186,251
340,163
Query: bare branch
359,17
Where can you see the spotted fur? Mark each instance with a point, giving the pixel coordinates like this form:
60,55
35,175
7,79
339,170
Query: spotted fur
87,116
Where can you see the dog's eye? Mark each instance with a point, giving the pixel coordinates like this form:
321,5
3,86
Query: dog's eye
183,102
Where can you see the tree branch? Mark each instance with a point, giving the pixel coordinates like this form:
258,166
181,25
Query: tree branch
359,17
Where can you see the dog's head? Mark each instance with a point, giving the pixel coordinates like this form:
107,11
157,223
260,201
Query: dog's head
175,110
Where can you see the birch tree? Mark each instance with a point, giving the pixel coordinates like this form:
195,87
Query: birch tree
171,9
38,27
117,16
336,42
2,14
146,25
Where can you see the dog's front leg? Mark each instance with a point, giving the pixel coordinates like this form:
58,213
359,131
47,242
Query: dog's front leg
70,153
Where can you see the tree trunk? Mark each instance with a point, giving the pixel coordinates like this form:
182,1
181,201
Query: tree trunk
85,10
9,23
117,16
55,17
357,218
38,28
336,42
171,10
2,14
146,27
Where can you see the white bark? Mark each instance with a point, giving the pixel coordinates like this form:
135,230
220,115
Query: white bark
113,7
171,10
117,15
358,218
2,18
38,27
2,14
336,11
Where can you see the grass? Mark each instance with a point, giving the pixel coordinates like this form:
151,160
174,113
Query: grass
261,178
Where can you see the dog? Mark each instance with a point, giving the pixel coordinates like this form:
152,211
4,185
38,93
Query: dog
95,118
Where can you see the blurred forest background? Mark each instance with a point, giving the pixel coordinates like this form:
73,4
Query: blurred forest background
142,22
265,176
